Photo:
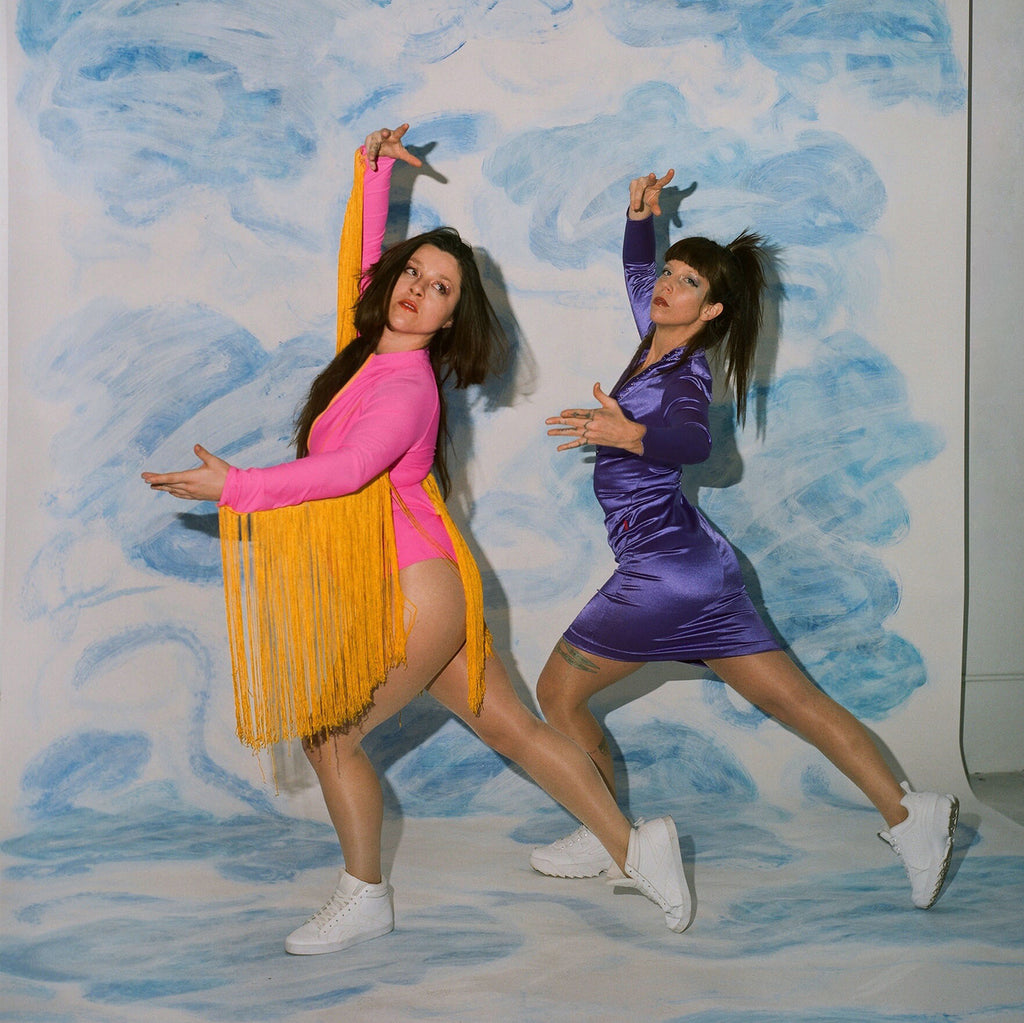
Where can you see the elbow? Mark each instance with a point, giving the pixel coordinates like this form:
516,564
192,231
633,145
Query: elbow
697,452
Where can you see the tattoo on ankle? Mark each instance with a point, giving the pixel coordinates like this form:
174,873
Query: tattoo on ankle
574,658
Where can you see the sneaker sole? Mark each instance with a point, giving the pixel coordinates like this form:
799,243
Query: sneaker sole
676,918
592,868
337,946
954,814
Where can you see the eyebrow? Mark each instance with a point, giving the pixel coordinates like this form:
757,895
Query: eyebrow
420,263
690,272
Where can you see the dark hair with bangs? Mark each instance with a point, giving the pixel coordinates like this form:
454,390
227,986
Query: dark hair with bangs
736,277
464,353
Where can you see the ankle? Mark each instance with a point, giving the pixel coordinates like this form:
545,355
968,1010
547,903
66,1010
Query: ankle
363,876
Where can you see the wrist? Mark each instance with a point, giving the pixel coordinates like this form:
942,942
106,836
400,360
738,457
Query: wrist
637,446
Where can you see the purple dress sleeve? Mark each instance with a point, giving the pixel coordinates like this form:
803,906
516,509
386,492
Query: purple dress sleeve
640,265
682,436
679,434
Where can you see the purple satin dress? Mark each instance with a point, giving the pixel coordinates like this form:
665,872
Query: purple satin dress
677,593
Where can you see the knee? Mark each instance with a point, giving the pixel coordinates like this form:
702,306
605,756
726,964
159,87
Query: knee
331,750
558,703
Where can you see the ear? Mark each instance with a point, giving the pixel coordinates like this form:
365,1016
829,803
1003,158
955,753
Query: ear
709,312
445,326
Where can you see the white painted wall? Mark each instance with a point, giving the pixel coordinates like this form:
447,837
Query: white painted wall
994,676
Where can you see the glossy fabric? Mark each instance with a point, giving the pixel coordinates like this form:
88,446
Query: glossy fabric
677,593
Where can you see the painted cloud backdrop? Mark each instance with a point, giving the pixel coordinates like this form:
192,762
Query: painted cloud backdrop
183,167
207,147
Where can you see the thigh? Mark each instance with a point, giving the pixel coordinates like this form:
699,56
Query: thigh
573,676
504,720
771,681
436,630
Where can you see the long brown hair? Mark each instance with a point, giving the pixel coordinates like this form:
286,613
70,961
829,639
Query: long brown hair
463,353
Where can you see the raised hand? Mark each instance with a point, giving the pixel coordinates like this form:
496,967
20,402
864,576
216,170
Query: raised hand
388,142
204,483
645,195
606,426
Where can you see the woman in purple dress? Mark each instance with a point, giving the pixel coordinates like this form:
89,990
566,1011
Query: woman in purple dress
677,592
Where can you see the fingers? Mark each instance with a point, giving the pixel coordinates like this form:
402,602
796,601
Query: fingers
603,399
645,192
372,146
572,417
637,190
576,423
388,142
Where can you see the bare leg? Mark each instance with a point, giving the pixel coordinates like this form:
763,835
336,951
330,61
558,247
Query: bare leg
774,683
348,780
569,679
554,761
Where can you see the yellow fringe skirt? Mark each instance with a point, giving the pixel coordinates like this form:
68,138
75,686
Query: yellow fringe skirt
315,611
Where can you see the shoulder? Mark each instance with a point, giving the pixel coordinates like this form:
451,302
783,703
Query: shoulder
403,376
691,374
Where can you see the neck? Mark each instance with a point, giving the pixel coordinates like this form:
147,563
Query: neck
393,341
668,339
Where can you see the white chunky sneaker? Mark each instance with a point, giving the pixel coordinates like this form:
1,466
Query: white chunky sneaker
356,912
577,855
924,842
654,867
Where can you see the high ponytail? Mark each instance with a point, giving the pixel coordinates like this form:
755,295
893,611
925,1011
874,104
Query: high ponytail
736,278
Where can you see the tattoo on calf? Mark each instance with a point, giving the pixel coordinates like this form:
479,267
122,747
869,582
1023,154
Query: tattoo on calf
574,658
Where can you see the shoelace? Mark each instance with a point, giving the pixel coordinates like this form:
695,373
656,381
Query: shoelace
334,905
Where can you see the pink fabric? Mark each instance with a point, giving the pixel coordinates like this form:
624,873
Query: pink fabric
384,419
376,189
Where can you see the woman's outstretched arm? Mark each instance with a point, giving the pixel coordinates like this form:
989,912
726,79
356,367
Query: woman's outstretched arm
380,151
639,259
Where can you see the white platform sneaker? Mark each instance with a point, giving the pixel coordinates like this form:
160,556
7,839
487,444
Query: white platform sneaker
577,855
654,867
924,842
356,912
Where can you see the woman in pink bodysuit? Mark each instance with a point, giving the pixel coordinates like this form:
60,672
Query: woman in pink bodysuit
422,318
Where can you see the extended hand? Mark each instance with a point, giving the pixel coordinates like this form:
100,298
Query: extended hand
645,195
388,142
607,426
204,483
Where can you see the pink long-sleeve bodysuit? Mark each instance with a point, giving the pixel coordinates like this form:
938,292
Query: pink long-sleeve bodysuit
385,419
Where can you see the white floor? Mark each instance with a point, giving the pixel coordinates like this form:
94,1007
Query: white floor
798,917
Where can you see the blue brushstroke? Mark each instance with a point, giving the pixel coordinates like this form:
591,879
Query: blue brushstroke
507,522
818,193
816,500
441,33
149,105
40,24
891,50
146,385
88,762
774,917
153,824
120,957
